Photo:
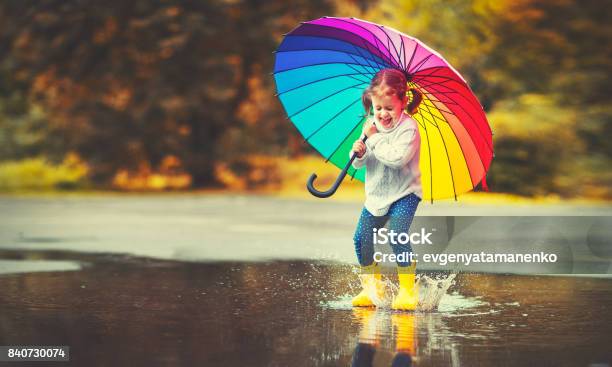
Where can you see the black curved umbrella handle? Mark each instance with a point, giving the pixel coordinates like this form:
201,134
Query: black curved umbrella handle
332,190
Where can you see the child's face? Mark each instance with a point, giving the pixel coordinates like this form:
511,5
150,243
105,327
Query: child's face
387,109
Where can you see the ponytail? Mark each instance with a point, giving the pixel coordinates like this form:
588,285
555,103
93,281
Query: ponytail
366,100
413,106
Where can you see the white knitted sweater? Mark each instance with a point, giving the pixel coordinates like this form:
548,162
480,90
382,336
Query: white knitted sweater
392,165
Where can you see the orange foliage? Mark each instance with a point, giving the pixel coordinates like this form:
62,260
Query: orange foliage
262,173
169,176
107,32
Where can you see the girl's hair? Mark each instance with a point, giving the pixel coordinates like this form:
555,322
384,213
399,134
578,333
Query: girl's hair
396,83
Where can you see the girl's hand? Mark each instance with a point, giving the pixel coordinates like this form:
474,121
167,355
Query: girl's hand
369,128
359,148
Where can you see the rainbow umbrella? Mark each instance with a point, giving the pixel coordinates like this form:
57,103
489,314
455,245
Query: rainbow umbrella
321,70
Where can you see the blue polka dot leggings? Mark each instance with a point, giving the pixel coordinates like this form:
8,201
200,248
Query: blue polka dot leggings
400,217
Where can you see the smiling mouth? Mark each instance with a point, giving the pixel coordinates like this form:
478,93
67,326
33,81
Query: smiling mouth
386,121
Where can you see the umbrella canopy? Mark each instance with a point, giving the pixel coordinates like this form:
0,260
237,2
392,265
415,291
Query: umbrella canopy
322,68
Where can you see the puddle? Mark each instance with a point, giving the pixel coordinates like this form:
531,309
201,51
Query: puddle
293,313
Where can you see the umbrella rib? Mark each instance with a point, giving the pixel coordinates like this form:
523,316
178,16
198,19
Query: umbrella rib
390,42
357,79
430,163
342,142
444,80
412,56
480,159
329,49
368,72
422,62
402,48
360,80
474,123
324,98
429,74
467,166
378,40
435,100
368,46
320,80
322,63
433,69
449,91
330,120
359,53
461,83
430,95
450,168
353,168
369,64
365,72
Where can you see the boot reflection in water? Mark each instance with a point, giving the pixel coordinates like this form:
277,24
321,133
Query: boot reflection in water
404,327
363,356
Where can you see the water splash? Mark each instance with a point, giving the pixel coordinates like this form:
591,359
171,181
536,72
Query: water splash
432,290
433,296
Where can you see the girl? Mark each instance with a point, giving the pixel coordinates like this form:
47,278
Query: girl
393,182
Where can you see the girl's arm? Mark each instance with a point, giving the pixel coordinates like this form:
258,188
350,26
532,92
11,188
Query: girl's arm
396,153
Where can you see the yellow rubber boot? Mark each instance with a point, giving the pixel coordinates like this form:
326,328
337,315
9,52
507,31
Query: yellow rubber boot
407,298
372,286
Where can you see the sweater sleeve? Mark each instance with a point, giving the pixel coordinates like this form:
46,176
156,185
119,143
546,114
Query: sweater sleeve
394,153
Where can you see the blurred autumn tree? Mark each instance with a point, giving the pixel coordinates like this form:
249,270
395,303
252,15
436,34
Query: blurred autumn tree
561,50
128,83
541,69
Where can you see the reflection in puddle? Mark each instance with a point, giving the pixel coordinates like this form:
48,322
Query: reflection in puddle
402,327
297,314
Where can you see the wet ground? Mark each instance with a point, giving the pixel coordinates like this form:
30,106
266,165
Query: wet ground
237,228
194,280
128,311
